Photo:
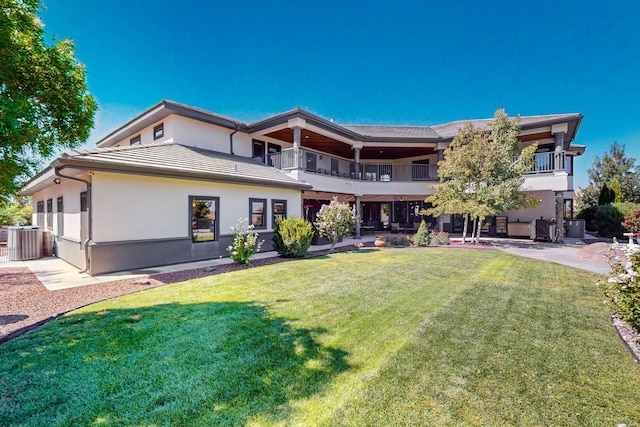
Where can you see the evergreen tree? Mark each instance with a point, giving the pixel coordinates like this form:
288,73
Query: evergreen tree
616,164
616,190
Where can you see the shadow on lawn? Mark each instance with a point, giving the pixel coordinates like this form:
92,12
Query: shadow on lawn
191,364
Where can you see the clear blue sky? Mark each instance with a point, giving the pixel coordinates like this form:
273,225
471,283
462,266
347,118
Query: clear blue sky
403,62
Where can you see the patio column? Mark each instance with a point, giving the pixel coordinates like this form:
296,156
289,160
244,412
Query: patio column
359,213
297,124
559,238
558,131
356,159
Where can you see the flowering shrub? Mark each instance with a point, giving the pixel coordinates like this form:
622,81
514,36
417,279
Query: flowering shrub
335,221
623,289
632,221
245,242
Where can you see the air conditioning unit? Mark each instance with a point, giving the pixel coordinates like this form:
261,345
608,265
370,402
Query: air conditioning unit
24,243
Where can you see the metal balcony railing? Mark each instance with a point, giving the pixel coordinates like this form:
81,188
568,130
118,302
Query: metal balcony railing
553,161
320,163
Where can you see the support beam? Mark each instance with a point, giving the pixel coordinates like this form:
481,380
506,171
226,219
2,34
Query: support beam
359,214
559,238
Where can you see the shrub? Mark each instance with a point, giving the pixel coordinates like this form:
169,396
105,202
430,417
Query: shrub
623,289
399,240
632,221
335,221
292,237
608,218
245,242
439,238
422,237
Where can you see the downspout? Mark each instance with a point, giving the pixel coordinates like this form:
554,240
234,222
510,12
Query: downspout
89,240
231,139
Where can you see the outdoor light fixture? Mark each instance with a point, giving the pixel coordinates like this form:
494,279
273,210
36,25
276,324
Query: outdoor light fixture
56,181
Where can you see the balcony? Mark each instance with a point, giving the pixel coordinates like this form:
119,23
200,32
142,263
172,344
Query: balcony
547,163
323,164
551,171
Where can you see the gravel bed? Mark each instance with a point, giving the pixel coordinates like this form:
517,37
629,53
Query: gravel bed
26,304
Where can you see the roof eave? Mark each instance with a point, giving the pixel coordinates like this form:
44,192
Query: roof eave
167,173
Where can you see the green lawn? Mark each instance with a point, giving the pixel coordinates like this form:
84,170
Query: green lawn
393,337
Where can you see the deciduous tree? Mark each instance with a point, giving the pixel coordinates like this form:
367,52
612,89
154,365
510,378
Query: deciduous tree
44,102
482,171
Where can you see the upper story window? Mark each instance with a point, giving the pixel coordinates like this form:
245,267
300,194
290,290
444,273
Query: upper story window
258,150
135,140
158,131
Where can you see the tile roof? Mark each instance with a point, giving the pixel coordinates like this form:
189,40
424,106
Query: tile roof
173,159
445,130
378,131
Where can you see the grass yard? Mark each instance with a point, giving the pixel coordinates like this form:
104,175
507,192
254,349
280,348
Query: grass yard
394,337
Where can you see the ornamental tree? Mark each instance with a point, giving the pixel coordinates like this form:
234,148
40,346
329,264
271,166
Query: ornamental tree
44,102
335,221
482,172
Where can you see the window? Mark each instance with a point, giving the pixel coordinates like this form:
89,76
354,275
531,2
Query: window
279,209
136,140
40,214
272,149
257,212
258,150
568,208
84,219
158,131
49,214
203,214
60,216
83,201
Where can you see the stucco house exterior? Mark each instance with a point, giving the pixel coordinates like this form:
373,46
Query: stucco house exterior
167,186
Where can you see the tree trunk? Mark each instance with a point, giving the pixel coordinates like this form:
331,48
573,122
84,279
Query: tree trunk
464,228
477,242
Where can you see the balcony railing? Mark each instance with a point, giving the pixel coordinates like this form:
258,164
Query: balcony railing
554,161
320,163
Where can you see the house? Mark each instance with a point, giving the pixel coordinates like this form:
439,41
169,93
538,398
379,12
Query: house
167,186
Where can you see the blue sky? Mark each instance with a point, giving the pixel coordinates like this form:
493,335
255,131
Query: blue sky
404,62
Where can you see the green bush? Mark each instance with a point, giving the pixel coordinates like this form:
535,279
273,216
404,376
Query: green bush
439,238
292,237
623,289
422,237
399,240
608,219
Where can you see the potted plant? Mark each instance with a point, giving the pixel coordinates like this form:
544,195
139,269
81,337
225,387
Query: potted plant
380,242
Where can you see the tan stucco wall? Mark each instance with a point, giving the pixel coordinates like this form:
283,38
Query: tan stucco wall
136,207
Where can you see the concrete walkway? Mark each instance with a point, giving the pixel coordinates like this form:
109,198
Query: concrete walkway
562,253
